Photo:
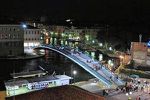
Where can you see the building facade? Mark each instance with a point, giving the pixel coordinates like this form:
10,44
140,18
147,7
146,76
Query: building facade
11,40
35,83
32,36
139,52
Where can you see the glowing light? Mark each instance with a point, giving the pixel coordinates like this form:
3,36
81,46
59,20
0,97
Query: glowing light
100,44
56,33
121,56
24,26
87,37
47,41
52,33
93,84
93,41
62,34
127,94
74,72
100,57
46,34
130,92
110,48
93,55
68,20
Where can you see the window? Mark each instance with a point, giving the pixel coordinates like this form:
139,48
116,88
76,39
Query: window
6,36
6,44
9,36
10,52
18,36
2,36
14,36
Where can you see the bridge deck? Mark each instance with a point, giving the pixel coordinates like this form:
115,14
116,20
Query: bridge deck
92,66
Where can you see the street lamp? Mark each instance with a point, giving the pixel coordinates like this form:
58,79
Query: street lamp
24,26
74,73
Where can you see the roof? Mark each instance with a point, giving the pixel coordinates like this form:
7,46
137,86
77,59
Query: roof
14,25
63,77
43,78
30,73
67,92
18,82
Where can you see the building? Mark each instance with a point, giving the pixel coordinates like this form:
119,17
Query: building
11,40
25,85
139,52
32,36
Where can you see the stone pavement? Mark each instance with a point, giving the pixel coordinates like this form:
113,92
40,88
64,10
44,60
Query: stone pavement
122,96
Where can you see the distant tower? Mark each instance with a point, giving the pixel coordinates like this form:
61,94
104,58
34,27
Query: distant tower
140,37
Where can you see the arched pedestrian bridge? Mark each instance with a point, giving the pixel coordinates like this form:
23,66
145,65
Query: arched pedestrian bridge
95,68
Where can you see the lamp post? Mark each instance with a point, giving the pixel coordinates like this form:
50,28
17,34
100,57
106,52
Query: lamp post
74,74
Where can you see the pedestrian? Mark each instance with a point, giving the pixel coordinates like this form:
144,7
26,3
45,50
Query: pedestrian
138,98
142,88
104,92
110,77
117,77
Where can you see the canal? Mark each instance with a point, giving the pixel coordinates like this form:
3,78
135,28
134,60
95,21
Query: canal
52,62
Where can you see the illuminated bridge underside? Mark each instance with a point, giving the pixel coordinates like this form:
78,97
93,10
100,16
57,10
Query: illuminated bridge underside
106,81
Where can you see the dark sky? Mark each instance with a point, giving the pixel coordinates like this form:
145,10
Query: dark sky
111,11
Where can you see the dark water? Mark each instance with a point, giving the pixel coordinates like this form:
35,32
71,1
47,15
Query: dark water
51,62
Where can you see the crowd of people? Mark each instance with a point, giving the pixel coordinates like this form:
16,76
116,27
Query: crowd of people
140,88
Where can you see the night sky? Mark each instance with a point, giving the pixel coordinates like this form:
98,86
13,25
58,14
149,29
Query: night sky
107,11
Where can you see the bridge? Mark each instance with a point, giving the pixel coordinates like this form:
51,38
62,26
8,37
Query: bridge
94,67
